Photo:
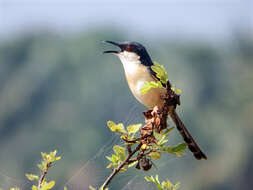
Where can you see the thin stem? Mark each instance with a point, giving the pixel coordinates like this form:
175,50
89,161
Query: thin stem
43,174
116,170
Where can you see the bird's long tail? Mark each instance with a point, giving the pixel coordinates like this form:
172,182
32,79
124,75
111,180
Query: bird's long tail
192,145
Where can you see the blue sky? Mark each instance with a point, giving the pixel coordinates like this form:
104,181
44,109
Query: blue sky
213,19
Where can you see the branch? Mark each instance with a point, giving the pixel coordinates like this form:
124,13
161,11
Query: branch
155,120
116,170
43,174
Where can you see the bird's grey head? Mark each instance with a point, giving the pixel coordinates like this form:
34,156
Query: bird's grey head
131,51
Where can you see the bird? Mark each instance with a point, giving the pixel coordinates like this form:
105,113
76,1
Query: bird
137,65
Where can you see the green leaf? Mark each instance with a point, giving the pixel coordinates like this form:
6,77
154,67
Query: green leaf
118,128
53,153
165,149
132,164
32,177
57,158
167,131
115,158
44,155
40,166
162,141
160,72
176,90
14,188
164,185
49,185
179,148
155,155
157,179
92,188
147,179
120,151
176,186
158,136
109,165
34,187
109,158
134,128
65,188
148,85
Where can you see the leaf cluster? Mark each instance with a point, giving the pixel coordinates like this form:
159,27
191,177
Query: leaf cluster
162,75
128,133
47,161
154,149
162,147
120,153
164,185
148,152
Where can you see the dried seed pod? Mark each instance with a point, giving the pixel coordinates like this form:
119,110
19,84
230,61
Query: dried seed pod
145,164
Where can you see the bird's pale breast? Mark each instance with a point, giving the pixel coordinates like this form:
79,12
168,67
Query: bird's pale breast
136,75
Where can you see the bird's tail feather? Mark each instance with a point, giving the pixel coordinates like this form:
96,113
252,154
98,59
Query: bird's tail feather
192,145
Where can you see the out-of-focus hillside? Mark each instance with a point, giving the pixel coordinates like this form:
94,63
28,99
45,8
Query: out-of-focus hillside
58,93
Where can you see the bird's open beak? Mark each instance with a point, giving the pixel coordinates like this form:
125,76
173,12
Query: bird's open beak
116,44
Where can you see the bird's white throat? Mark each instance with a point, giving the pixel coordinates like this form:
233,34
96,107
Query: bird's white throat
130,61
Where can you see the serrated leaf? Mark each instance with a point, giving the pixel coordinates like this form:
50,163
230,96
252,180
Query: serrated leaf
154,155
134,128
32,177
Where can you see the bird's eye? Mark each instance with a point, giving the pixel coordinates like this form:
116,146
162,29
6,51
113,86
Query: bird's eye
128,48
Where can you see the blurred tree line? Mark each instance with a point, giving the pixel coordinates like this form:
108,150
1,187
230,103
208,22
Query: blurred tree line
57,92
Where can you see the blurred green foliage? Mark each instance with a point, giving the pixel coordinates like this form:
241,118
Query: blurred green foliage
164,185
57,92
47,161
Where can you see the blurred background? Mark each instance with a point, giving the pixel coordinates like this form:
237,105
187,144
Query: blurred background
57,89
